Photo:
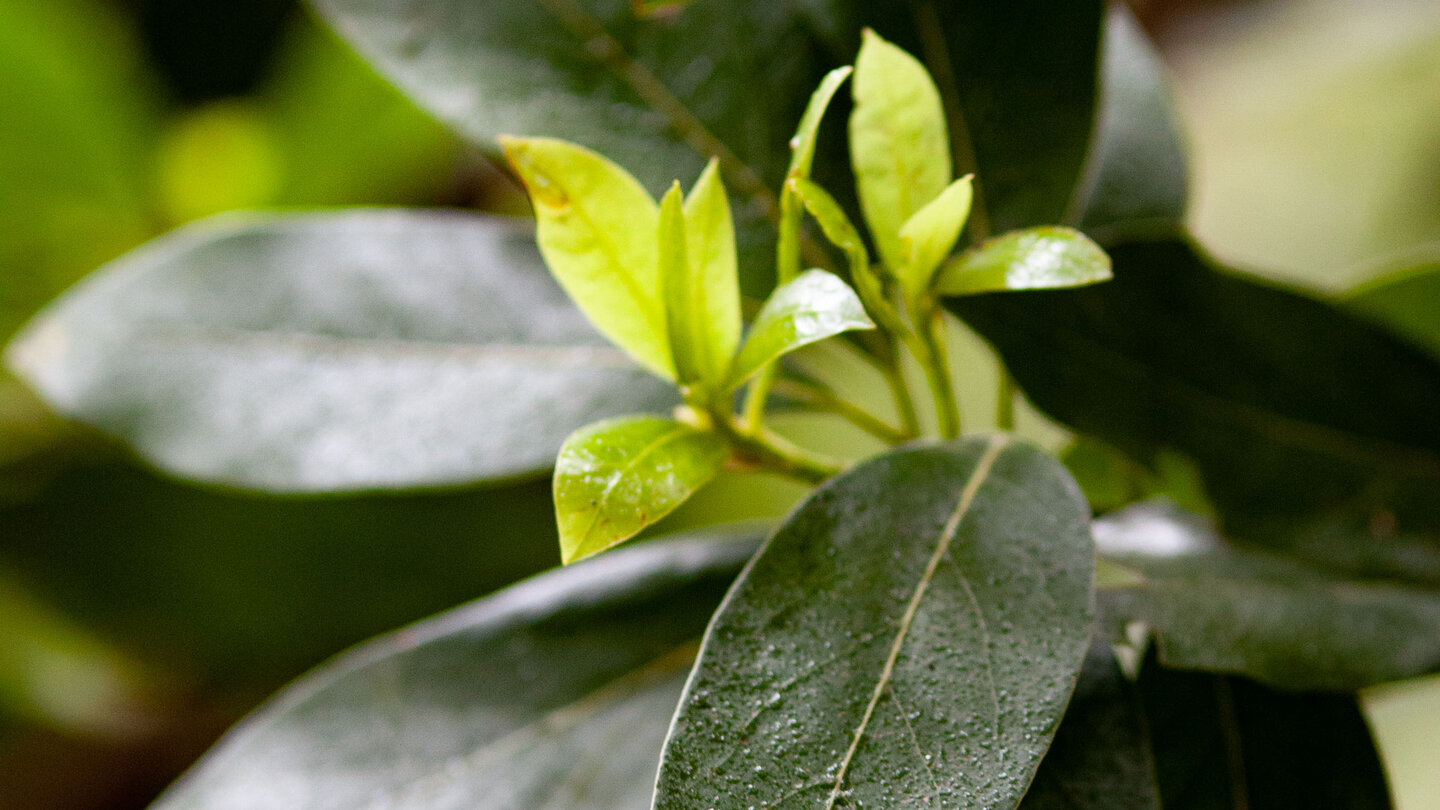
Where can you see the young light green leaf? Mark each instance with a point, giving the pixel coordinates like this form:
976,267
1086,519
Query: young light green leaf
1030,259
898,143
922,620
802,146
842,233
928,236
714,288
683,320
596,228
815,306
616,477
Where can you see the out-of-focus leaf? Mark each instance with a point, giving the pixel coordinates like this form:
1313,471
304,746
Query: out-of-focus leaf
1290,407
554,692
243,591
663,93
614,478
1100,758
1032,259
1219,608
1223,742
814,306
597,230
1407,301
1136,176
899,145
343,351
75,148
217,158
55,672
909,636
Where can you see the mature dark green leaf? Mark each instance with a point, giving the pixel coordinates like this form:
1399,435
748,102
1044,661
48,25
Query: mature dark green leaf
554,693
1289,406
1224,743
616,477
661,94
1100,759
346,351
1031,259
1136,178
1219,608
1407,301
911,634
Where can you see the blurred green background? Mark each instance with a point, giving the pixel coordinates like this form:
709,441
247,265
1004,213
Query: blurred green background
139,617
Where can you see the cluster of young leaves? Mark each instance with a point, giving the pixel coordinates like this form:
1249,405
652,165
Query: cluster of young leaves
661,282
919,628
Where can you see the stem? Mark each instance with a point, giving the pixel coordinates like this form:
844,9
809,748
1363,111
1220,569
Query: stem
900,392
933,358
1005,404
787,267
767,451
822,397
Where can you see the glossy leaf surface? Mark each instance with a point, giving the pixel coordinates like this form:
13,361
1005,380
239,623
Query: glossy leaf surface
357,350
899,146
661,94
1289,406
1100,759
928,237
554,692
910,635
1032,259
1219,608
614,478
1136,176
597,227
815,306
1223,743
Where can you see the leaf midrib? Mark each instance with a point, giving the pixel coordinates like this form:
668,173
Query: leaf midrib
942,547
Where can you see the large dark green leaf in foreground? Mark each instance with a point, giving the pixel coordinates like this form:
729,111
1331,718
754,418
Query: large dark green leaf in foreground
1100,759
1225,743
343,351
553,693
661,93
1217,607
1290,407
909,637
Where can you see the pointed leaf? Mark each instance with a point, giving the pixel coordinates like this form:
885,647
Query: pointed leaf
842,233
929,235
898,143
802,145
1223,743
714,301
1100,759
1216,607
814,306
909,637
596,228
555,692
1032,259
683,320
1136,177
614,478
338,351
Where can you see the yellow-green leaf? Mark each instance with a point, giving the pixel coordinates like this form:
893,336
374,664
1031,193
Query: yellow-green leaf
596,228
815,306
1031,259
929,235
616,477
802,146
899,145
714,288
